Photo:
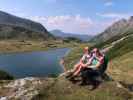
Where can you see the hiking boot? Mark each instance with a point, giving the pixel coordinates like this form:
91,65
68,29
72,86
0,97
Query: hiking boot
72,79
82,83
69,74
95,85
90,87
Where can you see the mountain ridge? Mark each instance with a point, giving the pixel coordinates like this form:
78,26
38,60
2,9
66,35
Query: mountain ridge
61,34
118,28
13,25
9,19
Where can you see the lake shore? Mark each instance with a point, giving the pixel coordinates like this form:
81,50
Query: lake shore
11,46
33,64
16,46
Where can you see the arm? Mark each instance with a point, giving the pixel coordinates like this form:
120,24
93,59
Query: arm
82,59
100,62
98,65
78,71
85,65
89,62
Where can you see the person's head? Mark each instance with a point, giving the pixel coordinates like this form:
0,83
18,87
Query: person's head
96,52
86,50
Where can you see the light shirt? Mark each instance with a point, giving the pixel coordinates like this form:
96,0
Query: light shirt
86,58
95,60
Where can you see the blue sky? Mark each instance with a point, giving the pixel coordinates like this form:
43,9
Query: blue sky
75,16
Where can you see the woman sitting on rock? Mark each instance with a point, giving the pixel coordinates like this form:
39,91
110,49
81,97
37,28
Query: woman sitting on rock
84,62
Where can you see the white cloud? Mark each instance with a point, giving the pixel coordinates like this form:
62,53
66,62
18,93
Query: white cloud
75,24
67,23
115,15
109,3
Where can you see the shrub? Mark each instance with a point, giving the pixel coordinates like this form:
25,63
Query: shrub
5,76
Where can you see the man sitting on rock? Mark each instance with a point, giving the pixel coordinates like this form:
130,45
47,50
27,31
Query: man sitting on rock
97,68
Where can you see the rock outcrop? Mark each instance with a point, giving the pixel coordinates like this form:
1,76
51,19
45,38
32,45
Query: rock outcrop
22,89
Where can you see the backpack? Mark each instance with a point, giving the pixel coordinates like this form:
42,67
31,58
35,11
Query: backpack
104,66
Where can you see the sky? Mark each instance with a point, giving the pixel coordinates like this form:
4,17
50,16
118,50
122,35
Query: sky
74,16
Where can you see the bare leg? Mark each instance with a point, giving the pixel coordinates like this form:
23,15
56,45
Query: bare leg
76,67
77,71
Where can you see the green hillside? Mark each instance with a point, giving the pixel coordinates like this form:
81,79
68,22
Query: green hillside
21,33
121,48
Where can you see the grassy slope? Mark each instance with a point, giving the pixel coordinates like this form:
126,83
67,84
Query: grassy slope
62,89
115,38
121,68
121,48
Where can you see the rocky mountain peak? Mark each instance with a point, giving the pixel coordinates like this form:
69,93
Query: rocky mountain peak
131,18
130,21
119,27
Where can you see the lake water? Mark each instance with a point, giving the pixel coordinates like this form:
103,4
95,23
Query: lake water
42,63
